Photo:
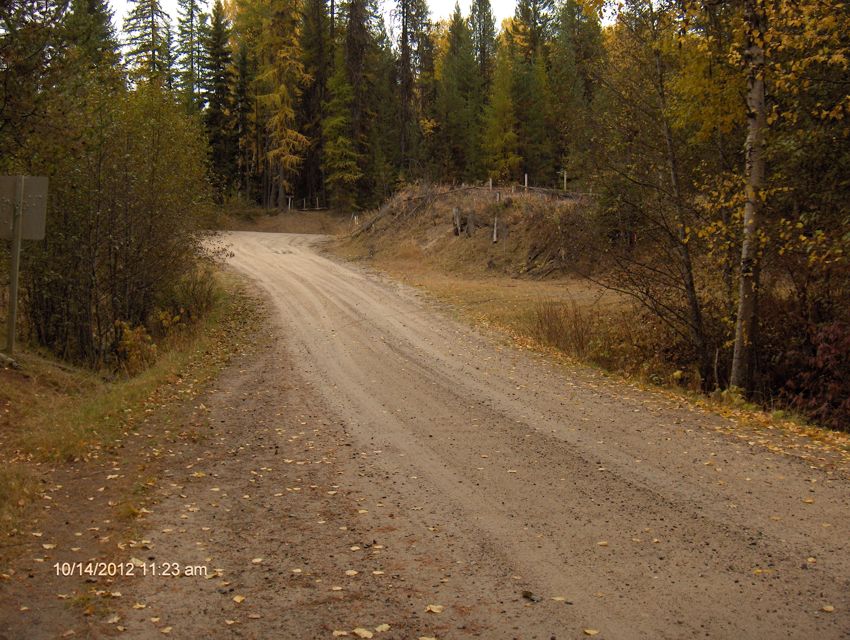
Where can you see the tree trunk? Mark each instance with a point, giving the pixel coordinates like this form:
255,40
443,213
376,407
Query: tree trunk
697,327
747,321
406,80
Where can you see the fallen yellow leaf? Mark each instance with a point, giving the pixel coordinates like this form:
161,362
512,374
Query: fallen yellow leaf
238,599
434,608
591,632
360,632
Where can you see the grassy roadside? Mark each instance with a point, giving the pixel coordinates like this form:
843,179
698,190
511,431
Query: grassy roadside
52,414
516,308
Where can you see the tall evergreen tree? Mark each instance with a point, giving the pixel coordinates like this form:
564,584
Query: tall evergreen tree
500,129
144,27
89,28
533,106
532,26
317,61
383,135
457,103
358,46
168,57
414,55
191,33
577,49
483,27
218,115
243,106
341,162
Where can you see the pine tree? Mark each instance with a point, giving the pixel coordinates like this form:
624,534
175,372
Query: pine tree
89,29
576,50
383,158
316,60
457,103
500,136
533,108
362,61
218,114
243,105
191,28
532,26
145,36
414,56
168,56
483,27
341,162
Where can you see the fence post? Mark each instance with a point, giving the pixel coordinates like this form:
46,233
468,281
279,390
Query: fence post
526,183
495,229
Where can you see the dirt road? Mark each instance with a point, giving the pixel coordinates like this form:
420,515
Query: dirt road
380,458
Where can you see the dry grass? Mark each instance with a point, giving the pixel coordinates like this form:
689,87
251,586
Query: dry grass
565,326
256,219
500,284
17,489
51,412
488,282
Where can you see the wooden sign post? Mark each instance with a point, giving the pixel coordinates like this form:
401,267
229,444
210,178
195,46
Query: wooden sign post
23,216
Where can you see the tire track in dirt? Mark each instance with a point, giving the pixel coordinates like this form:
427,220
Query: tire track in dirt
483,472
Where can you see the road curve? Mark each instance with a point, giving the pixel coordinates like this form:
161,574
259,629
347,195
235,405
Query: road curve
650,518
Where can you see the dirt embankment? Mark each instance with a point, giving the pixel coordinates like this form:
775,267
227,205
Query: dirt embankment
274,221
474,231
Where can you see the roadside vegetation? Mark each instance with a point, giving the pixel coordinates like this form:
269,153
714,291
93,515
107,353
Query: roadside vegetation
702,142
52,412
550,277
123,296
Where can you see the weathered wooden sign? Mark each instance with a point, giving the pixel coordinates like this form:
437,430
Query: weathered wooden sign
33,203
23,216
